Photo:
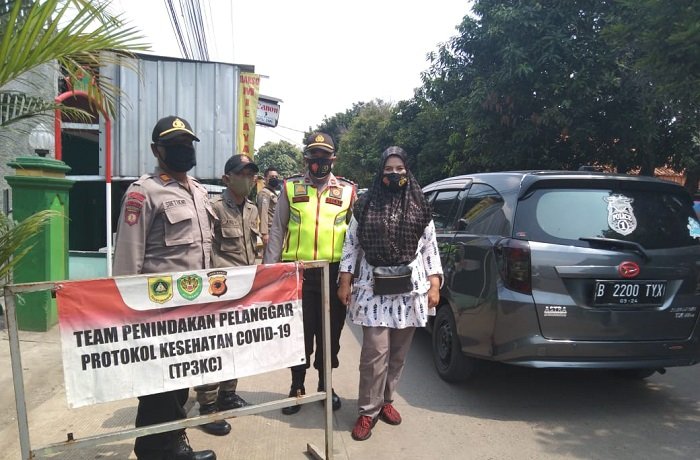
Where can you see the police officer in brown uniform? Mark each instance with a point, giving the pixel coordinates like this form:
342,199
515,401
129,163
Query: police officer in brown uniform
235,237
310,221
267,201
165,225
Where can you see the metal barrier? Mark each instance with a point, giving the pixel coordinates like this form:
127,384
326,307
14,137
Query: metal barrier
72,443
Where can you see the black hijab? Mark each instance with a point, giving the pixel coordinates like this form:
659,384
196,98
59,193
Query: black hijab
391,223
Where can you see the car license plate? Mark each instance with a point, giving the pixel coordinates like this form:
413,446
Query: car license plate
629,292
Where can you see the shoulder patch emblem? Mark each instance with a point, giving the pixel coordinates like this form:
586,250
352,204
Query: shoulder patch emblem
132,208
160,288
135,196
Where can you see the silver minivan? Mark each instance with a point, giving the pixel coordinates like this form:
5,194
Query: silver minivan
565,269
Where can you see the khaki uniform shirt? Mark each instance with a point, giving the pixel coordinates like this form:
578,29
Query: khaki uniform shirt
235,234
163,227
280,222
267,201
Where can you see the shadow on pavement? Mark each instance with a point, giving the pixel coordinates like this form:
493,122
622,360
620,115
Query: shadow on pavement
581,413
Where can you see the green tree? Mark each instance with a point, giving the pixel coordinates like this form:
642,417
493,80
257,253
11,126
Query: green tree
661,40
283,155
367,135
75,34
526,85
338,124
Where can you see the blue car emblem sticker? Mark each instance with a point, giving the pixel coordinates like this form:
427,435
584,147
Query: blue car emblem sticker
693,228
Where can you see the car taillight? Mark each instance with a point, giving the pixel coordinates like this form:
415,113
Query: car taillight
514,264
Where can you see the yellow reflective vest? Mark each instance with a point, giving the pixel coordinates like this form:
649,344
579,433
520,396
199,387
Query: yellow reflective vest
317,224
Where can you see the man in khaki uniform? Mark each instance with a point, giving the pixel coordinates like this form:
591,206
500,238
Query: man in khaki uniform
267,201
165,225
235,239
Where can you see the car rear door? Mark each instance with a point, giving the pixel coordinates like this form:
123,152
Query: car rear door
614,261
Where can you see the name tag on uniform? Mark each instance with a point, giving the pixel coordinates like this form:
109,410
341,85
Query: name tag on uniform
298,199
173,203
334,201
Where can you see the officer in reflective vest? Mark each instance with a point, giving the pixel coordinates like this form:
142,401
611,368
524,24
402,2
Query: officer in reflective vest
310,221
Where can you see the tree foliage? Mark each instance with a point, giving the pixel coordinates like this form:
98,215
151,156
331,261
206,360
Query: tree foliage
366,137
555,85
282,155
661,40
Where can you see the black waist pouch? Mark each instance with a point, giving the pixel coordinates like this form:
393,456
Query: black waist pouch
393,279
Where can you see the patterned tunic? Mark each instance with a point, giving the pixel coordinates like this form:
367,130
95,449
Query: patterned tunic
396,311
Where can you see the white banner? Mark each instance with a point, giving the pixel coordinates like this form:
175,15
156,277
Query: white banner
127,337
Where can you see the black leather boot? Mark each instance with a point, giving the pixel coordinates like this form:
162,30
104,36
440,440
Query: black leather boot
183,451
297,389
217,427
230,400
294,392
322,387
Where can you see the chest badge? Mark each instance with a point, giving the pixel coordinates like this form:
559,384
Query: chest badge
300,189
335,192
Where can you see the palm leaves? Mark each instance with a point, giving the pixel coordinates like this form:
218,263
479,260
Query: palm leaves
15,238
79,35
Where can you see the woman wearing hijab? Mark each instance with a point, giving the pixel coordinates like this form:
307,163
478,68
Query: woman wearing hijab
391,258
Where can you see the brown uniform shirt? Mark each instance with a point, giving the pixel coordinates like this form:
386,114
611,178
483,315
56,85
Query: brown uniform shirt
163,227
235,234
267,200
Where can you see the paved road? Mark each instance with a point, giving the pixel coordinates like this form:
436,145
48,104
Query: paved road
506,413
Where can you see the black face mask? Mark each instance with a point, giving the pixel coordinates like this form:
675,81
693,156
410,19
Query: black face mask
320,167
395,181
179,158
273,182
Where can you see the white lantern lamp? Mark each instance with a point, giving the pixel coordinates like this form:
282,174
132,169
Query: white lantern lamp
41,139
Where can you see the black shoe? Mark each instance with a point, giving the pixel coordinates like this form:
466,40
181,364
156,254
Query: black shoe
216,428
335,400
183,451
228,400
294,392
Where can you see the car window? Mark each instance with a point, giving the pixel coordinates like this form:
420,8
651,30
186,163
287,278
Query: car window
649,217
483,211
445,207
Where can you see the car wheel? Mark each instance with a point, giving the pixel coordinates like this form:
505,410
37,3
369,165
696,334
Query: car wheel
634,374
450,363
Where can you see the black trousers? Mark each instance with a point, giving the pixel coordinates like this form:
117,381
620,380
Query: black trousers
312,306
159,408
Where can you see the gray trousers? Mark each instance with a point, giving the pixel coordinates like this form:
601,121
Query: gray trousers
207,394
382,361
